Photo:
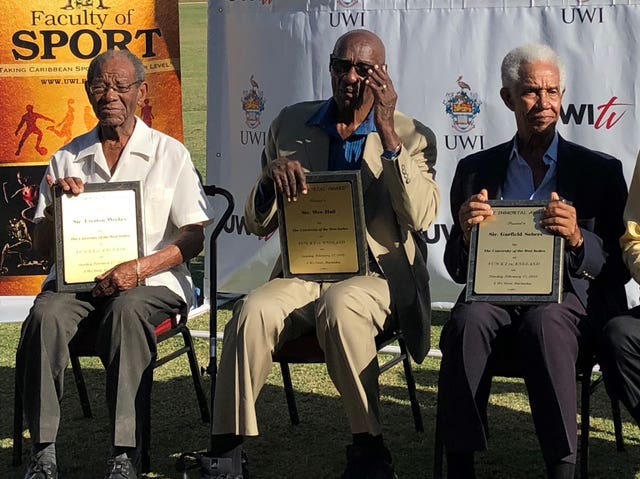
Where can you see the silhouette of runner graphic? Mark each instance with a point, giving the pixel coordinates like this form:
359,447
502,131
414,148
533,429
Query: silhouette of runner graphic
65,124
145,112
29,120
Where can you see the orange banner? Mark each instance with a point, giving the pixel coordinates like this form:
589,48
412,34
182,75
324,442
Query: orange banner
46,48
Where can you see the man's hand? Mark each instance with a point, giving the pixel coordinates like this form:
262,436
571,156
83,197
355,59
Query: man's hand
288,177
119,278
69,184
474,211
385,98
560,218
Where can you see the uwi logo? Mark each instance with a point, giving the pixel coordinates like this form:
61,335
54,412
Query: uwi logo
462,106
253,104
347,3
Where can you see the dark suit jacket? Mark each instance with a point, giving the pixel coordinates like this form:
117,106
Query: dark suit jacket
594,183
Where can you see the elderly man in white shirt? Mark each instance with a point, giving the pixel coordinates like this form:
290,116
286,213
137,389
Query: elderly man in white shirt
130,298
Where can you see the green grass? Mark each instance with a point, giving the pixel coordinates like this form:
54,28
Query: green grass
193,46
315,448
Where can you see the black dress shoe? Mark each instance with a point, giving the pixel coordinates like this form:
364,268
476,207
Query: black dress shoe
368,463
41,469
120,468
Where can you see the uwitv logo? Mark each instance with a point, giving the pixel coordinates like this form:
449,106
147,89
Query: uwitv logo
604,115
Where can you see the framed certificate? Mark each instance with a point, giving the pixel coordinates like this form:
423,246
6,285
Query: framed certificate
512,259
96,230
322,234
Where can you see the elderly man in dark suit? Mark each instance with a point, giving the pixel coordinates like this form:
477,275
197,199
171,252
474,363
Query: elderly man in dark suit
586,192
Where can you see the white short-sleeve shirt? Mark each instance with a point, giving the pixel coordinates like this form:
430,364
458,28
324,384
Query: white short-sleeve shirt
172,195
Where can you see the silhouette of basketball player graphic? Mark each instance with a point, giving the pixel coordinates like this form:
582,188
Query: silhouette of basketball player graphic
29,120
89,118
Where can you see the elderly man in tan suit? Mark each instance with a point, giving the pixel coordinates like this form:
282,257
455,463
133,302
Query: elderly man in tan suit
358,128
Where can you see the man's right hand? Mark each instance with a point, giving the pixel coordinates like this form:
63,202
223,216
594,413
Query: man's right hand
68,184
288,177
474,211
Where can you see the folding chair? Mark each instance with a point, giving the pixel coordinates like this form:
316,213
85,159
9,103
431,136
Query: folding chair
502,364
306,349
83,345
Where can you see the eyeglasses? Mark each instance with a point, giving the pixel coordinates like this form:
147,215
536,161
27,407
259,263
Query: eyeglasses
102,88
340,66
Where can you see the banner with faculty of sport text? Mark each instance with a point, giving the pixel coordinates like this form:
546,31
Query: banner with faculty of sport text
45,49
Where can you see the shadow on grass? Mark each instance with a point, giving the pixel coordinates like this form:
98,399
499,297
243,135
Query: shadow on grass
315,448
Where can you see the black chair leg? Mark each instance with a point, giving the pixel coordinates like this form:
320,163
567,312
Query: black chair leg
81,386
585,416
145,407
411,386
617,424
288,392
17,425
205,414
438,446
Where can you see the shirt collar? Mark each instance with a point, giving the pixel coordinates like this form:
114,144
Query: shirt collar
325,118
140,144
550,156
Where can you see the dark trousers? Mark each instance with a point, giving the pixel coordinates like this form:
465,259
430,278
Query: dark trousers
126,345
620,359
544,341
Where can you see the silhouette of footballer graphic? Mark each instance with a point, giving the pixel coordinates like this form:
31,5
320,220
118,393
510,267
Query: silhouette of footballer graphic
29,120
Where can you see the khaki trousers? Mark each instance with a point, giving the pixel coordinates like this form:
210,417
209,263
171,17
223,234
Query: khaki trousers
347,316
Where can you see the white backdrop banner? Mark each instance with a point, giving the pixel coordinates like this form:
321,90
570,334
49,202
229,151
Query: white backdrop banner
444,58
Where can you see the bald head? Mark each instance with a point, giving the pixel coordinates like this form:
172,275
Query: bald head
361,40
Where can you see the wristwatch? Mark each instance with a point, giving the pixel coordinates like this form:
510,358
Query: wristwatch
391,154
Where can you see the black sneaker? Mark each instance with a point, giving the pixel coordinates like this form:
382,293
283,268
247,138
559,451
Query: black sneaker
120,468
368,463
41,469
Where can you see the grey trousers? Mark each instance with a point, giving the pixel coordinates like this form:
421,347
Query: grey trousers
126,345
346,316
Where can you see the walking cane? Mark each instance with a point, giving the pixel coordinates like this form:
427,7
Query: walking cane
205,461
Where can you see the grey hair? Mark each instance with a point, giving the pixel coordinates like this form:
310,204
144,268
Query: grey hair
530,53
99,60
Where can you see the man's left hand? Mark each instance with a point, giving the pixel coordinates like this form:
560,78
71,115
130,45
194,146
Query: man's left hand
559,218
119,278
385,98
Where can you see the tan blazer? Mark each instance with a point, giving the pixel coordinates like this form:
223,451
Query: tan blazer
400,198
